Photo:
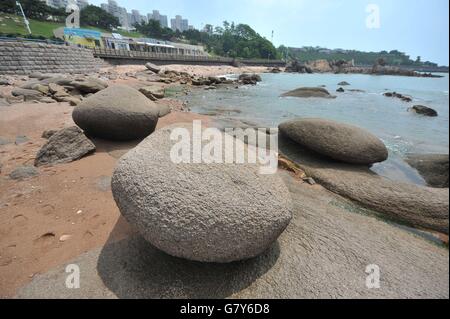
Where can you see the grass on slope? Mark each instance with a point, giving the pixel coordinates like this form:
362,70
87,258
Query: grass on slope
12,24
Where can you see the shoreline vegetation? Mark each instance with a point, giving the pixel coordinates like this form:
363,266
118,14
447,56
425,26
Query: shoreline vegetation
62,209
230,40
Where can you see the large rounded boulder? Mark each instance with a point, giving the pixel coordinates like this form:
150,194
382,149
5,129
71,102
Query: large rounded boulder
342,142
118,112
307,92
202,212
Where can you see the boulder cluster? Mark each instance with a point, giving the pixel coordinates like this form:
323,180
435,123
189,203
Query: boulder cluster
50,88
117,113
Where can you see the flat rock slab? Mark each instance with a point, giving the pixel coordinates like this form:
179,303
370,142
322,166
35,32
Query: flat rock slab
417,206
64,146
323,253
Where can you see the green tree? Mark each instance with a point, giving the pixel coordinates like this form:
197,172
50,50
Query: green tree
97,17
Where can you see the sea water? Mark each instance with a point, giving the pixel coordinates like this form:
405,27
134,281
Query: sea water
388,118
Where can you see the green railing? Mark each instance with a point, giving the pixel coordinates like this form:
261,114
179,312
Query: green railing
153,56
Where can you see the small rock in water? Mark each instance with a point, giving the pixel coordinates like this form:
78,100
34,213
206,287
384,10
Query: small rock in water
423,110
307,92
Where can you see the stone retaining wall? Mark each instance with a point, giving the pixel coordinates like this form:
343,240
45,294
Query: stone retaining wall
27,57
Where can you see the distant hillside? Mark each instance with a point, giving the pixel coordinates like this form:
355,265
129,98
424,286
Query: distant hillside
393,57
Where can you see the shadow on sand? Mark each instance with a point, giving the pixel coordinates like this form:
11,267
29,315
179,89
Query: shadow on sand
133,268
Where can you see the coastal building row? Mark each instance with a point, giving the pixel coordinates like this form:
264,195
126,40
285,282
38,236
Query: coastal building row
95,39
128,19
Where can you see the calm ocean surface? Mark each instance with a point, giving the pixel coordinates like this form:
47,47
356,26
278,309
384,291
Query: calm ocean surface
402,131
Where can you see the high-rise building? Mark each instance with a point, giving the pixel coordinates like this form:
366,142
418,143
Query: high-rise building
179,24
136,17
120,12
158,17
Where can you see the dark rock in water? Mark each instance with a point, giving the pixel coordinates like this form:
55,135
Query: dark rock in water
423,110
24,172
341,90
250,79
204,212
65,146
153,67
342,142
432,167
117,113
343,83
399,96
48,133
310,92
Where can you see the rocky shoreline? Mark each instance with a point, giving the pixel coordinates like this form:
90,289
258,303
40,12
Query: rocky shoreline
347,67
219,220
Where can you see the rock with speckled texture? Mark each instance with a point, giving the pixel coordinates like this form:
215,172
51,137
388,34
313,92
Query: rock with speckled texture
203,212
342,142
117,113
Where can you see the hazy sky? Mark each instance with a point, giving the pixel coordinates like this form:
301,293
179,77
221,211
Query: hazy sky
417,27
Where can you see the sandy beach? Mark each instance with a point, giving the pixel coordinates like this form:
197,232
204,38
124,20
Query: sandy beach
67,211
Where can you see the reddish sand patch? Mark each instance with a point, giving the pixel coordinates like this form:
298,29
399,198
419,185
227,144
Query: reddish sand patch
68,209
